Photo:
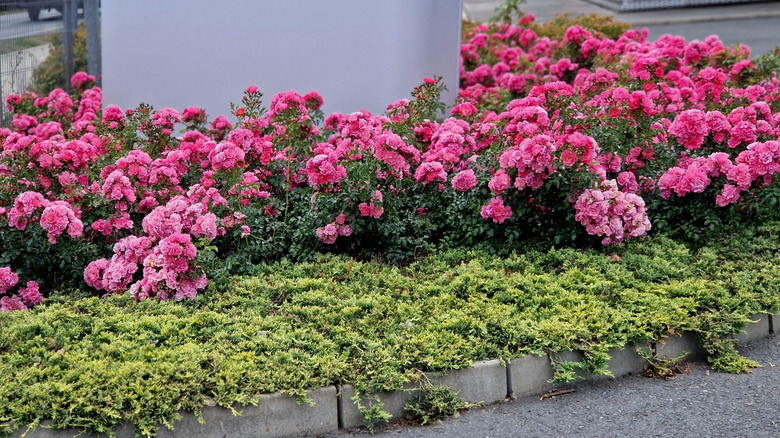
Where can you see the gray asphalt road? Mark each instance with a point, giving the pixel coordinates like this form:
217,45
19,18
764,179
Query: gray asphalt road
19,25
698,403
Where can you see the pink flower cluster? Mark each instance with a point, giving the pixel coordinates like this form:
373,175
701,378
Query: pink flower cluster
25,298
117,187
333,230
179,215
25,206
496,210
193,114
57,216
430,171
690,177
392,150
166,119
168,269
759,160
113,116
355,133
689,128
81,80
166,252
535,118
374,207
449,143
532,159
464,180
325,169
8,279
116,274
226,155
609,212
577,147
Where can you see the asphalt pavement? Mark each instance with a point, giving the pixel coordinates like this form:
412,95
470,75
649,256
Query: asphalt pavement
18,25
696,403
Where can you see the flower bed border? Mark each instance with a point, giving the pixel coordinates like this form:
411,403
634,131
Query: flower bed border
279,415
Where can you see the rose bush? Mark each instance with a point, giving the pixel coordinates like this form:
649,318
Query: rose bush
575,141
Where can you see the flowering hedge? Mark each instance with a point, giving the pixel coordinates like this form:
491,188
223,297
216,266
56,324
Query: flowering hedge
569,142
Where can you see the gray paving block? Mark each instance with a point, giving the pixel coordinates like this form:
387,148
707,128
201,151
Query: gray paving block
774,323
530,375
626,360
571,356
578,356
484,381
575,356
622,361
754,330
673,346
44,431
276,415
350,416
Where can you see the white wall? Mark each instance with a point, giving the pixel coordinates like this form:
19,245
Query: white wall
358,54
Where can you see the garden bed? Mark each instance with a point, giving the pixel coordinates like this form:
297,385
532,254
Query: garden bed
591,189
95,363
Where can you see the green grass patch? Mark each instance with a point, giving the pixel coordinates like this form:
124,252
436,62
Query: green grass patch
94,363
18,44
8,10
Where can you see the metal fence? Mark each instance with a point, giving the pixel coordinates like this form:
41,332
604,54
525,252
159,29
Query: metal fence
40,48
639,5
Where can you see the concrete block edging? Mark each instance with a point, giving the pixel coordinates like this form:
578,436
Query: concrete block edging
486,382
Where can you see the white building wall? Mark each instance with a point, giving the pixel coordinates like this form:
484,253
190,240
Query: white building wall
358,54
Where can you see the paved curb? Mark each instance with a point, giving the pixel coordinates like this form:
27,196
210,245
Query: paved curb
484,382
530,375
279,415
675,346
276,415
350,416
759,326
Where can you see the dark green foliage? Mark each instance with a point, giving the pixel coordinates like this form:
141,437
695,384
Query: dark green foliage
662,367
94,363
434,402
51,73
508,11
766,66
31,255
605,24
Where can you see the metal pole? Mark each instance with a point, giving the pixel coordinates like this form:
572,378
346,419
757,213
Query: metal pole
69,26
2,95
92,16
